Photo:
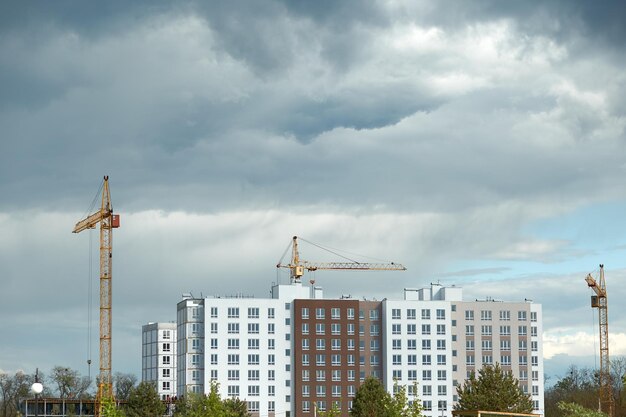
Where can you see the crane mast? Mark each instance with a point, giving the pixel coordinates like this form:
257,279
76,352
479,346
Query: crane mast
298,266
108,221
600,302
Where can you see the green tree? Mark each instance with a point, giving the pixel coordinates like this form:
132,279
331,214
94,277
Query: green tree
400,406
12,389
576,410
110,409
236,407
334,411
371,400
143,400
200,405
493,390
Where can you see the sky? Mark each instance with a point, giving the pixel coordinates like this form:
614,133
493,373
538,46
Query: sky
479,143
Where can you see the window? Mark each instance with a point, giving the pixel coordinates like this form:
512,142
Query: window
253,312
350,313
213,359
374,345
271,375
351,374
441,359
253,391
233,343
320,313
441,390
253,328
412,375
193,344
320,328
523,360
427,390
396,329
505,359
320,390
213,312
271,359
166,347
320,359
441,329
336,375
335,328
469,315
374,329
410,314
425,344
350,328
166,385
305,375
397,359
253,406
213,327
253,359
523,375
469,345
233,328
396,374
521,315
166,372
469,360
270,313
411,344
195,360
396,344
351,360
425,314
441,314
521,330
427,405
469,330
306,406
395,314
411,329
441,344
233,375
505,315
351,344
167,359
505,330
271,405
534,360
505,345
534,346
233,312
305,313
320,344
535,375
442,405
305,359
533,331
233,359
374,314
425,329
523,345
335,344
271,344
485,315
426,360
412,360
486,345
441,375
336,390
485,330
533,316
195,328
334,313
487,360
233,390
305,344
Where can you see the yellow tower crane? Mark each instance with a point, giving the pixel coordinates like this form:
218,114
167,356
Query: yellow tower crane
298,266
108,221
600,302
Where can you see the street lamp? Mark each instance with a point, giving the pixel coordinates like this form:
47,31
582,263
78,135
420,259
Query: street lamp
37,388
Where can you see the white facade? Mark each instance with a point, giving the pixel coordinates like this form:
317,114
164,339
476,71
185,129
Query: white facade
431,340
243,344
159,357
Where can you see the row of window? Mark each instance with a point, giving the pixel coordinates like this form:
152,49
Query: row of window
487,330
504,360
396,314
233,328
309,406
374,314
374,360
505,345
253,312
505,315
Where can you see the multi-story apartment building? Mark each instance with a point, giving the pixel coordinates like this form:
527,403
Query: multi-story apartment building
296,353
509,333
159,357
244,344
